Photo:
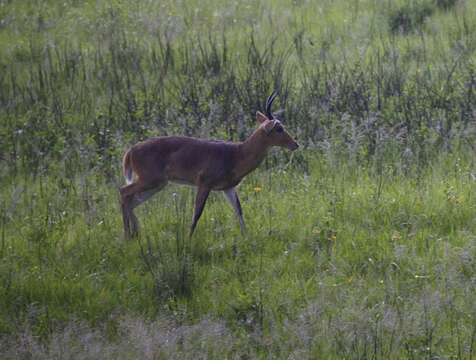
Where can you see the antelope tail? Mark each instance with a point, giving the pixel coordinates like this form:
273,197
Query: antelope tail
127,167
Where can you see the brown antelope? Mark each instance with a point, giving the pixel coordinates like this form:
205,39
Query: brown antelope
207,164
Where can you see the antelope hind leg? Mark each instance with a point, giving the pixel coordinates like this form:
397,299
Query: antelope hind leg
139,199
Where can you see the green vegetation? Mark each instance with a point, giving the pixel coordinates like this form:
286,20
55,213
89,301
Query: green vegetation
361,245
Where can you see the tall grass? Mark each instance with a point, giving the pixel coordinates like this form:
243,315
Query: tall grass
86,99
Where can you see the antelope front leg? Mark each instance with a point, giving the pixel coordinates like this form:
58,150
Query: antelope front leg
232,197
201,198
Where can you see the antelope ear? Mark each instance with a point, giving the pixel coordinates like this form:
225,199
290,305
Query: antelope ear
260,117
269,126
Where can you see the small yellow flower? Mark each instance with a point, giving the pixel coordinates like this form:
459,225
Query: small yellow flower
333,237
257,189
454,199
452,196
396,236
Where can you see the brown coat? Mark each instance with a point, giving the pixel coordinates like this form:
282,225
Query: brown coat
207,164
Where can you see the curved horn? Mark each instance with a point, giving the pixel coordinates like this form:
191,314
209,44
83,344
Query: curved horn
269,102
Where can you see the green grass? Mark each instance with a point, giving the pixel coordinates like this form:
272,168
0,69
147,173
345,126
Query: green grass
338,261
362,245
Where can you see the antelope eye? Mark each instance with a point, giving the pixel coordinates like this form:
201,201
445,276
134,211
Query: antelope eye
279,129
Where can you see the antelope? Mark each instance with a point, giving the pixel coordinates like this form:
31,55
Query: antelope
207,164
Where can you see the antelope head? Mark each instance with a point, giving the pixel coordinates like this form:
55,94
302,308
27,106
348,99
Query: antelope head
273,131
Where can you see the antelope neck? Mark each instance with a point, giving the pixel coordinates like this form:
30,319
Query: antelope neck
252,151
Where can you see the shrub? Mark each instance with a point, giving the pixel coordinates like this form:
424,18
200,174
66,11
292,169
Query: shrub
445,4
409,17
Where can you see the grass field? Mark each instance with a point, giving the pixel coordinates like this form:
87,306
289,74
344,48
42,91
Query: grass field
361,245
